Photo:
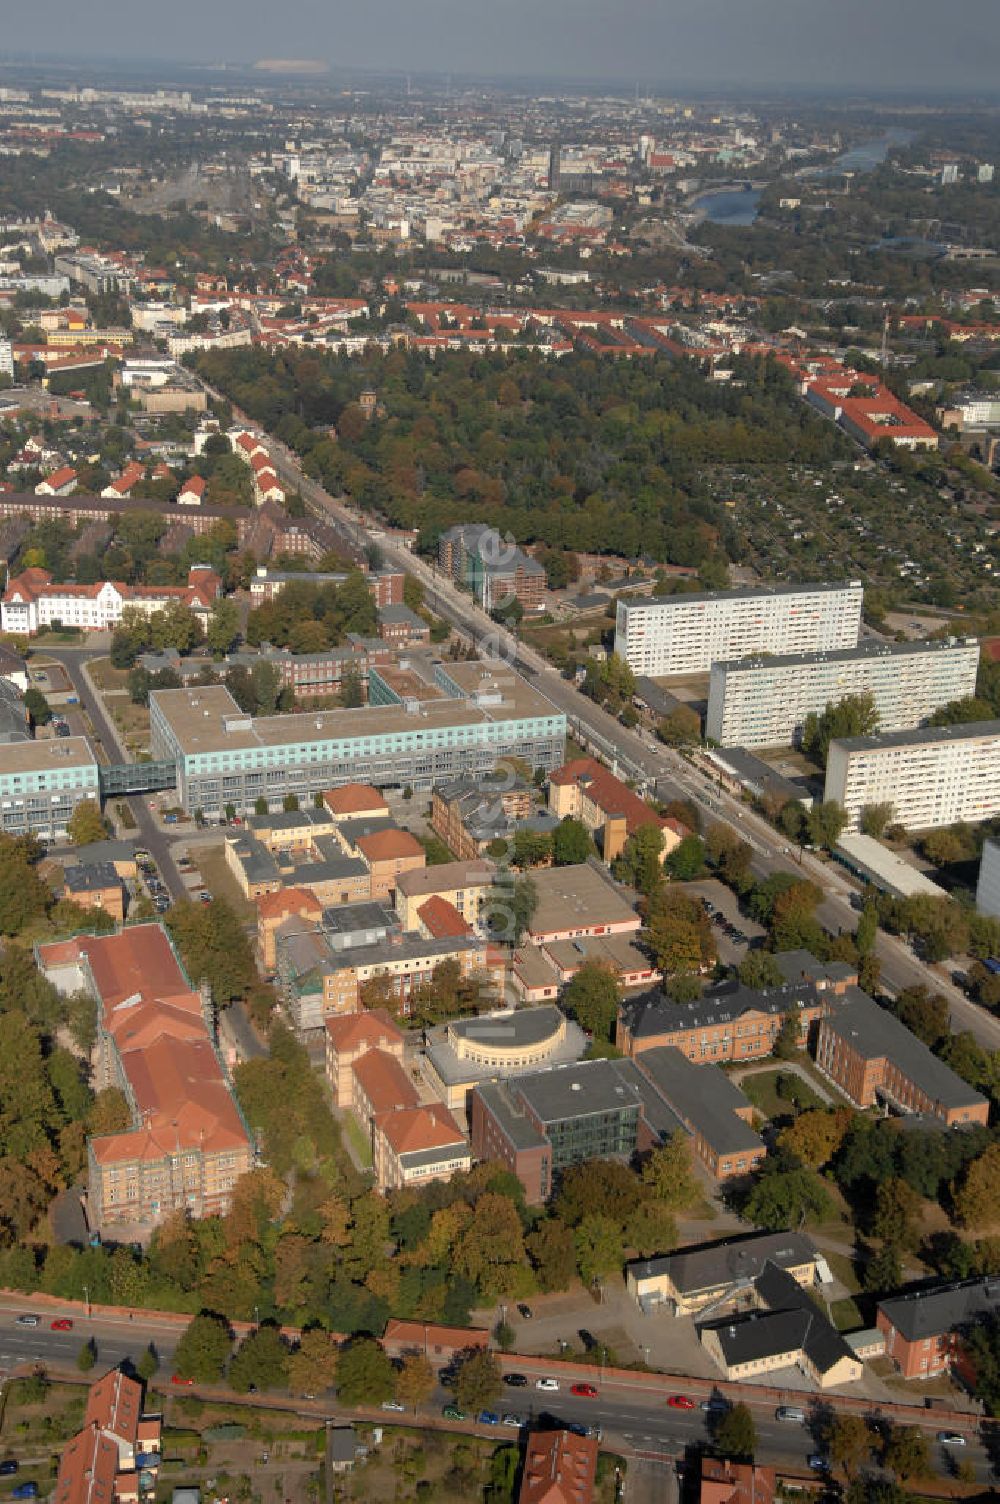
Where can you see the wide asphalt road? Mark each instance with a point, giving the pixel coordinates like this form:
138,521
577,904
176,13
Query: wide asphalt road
632,1416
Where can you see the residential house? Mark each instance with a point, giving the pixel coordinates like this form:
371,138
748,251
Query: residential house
587,791
560,1467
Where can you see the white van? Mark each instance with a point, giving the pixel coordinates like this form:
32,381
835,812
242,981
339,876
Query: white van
791,1413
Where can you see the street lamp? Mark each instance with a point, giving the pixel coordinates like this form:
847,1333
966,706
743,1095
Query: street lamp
86,1300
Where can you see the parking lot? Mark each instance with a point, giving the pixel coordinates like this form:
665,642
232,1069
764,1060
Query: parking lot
733,931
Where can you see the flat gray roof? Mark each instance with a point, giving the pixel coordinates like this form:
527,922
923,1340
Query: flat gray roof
208,719
921,736
578,896
46,756
863,651
697,597
581,1090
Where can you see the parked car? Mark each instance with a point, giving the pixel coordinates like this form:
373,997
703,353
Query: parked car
513,1420
523,1310
584,1391
452,1412
62,1324
515,1380
488,1418
28,1321
25,1491
392,1405
715,1406
8,1467
547,1384
792,1413
817,1463
680,1402
951,1438
177,1378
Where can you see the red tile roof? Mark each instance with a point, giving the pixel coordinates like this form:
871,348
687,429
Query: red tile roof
157,1024
389,846
350,1031
114,1403
559,1468
610,795
354,799
413,1130
87,1469
441,919
384,1082
289,901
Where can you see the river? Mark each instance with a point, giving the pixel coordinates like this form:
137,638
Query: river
739,207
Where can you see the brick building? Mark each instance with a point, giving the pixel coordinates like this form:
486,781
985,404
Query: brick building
739,1024
874,1058
922,1327
188,1144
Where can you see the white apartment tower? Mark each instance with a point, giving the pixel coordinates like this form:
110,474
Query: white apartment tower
988,887
934,776
686,634
764,702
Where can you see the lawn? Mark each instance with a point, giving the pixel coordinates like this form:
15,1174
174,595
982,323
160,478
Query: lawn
131,722
105,676
220,882
777,1093
359,1140
846,1315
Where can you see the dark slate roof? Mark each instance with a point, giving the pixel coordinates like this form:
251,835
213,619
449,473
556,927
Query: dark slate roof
703,1097
822,1344
653,1013
92,877
705,1268
802,966
918,1314
874,1032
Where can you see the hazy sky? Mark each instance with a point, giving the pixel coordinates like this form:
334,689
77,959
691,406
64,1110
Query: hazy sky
843,44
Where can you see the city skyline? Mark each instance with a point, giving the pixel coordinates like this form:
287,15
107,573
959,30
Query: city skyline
899,45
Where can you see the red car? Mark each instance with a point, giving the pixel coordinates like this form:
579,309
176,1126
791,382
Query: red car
585,1391
62,1324
680,1402
176,1378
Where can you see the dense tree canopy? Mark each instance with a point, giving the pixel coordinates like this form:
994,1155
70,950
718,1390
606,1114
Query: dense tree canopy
591,454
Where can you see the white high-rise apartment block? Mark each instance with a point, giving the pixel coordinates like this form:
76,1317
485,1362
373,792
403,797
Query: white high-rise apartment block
988,887
686,634
934,776
6,358
763,702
